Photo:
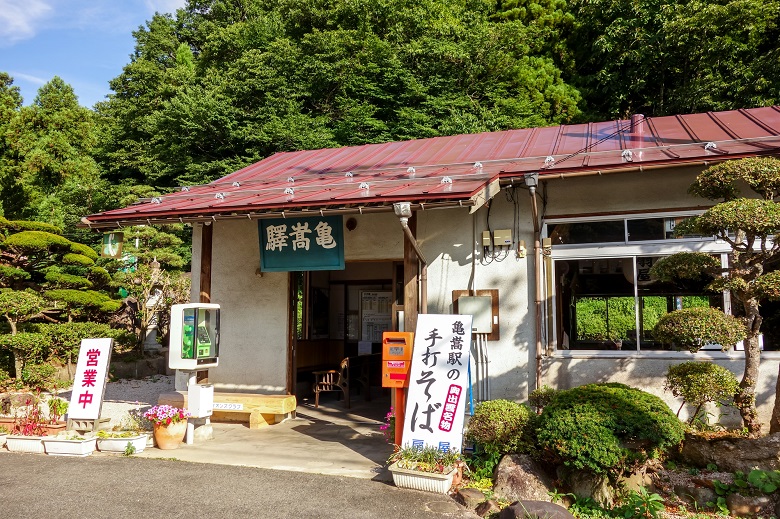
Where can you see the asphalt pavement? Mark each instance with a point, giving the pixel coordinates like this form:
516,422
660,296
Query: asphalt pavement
34,486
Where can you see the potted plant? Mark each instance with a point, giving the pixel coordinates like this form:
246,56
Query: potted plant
424,468
170,425
69,443
57,409
27,430
127,442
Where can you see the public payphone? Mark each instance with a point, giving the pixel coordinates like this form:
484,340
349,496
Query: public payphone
194,336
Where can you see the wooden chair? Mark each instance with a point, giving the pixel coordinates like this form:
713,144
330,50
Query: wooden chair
332,380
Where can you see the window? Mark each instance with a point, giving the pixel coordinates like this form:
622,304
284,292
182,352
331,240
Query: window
604,297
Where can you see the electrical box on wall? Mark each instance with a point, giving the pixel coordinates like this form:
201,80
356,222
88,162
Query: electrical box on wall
502,238
486,240
481,308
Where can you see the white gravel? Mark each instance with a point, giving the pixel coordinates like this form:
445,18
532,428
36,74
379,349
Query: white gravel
125,400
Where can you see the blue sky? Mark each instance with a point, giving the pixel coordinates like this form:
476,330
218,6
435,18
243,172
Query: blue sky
85,42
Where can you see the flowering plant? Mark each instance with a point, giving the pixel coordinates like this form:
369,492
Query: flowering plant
166,415
425,459
388,428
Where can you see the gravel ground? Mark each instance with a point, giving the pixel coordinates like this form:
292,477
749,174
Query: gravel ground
125,400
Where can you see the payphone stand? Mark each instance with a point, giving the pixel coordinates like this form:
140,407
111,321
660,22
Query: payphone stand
396,363
200,404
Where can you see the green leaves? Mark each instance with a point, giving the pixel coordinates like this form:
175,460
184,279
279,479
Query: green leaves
692,328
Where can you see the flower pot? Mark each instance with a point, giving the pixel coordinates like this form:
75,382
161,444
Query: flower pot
120,444
170,436
2,439
68,447
52,429
426,481
16,443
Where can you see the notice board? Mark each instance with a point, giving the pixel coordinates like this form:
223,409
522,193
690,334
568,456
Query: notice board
375,314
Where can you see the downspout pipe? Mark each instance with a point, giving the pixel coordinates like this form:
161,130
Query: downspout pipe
532,181
403,211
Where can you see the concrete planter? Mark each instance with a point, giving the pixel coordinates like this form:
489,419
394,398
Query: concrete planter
120,444
425,481
69,447
16,443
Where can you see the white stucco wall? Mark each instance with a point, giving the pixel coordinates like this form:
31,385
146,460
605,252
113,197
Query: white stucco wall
253,310
449,239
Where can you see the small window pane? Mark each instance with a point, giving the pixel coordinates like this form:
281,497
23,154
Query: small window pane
587,232
646,229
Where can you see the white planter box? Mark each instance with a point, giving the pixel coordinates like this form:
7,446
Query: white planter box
63,447
120,444
426,481
16,443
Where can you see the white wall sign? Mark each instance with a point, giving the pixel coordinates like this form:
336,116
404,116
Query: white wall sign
90,381
438,382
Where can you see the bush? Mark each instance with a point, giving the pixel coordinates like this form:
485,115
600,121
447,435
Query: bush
43,376
692,328
542,396
701,382
499,426
606,428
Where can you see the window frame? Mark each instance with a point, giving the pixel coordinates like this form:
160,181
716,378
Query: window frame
631,250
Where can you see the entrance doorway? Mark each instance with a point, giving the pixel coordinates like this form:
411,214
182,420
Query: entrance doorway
339,317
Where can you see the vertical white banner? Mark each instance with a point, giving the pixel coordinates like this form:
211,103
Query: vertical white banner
438,382
90,381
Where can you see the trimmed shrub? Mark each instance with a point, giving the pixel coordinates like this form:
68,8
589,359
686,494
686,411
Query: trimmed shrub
607,428
540,397
499,426
701,382
692,328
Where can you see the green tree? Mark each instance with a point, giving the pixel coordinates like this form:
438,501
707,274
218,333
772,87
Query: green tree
748,225
225,84
48,170
661,57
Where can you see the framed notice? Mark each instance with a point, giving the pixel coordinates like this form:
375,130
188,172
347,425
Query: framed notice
438,382
90,382
375,314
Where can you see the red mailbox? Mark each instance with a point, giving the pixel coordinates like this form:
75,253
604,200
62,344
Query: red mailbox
396,358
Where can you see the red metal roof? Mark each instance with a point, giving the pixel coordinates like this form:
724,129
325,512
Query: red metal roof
457,169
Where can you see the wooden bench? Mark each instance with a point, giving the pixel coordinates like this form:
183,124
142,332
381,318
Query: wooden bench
259,410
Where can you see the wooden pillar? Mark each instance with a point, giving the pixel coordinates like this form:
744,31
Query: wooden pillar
206,236
411,293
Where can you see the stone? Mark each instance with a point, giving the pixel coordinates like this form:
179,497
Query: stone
486,508
469,497
733,454
635,480
695,495
587,484
534,510
745,506
520,477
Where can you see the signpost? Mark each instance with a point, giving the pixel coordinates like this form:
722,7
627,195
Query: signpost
438,382
90,382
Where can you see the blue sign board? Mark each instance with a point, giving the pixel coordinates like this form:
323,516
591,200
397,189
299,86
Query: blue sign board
310,243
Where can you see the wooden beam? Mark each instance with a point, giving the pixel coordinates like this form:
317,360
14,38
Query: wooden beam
206,236
411,264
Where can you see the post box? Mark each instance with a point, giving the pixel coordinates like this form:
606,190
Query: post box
396,358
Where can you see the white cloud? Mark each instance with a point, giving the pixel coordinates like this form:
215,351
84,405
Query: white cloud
20,19
27,77
164,6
